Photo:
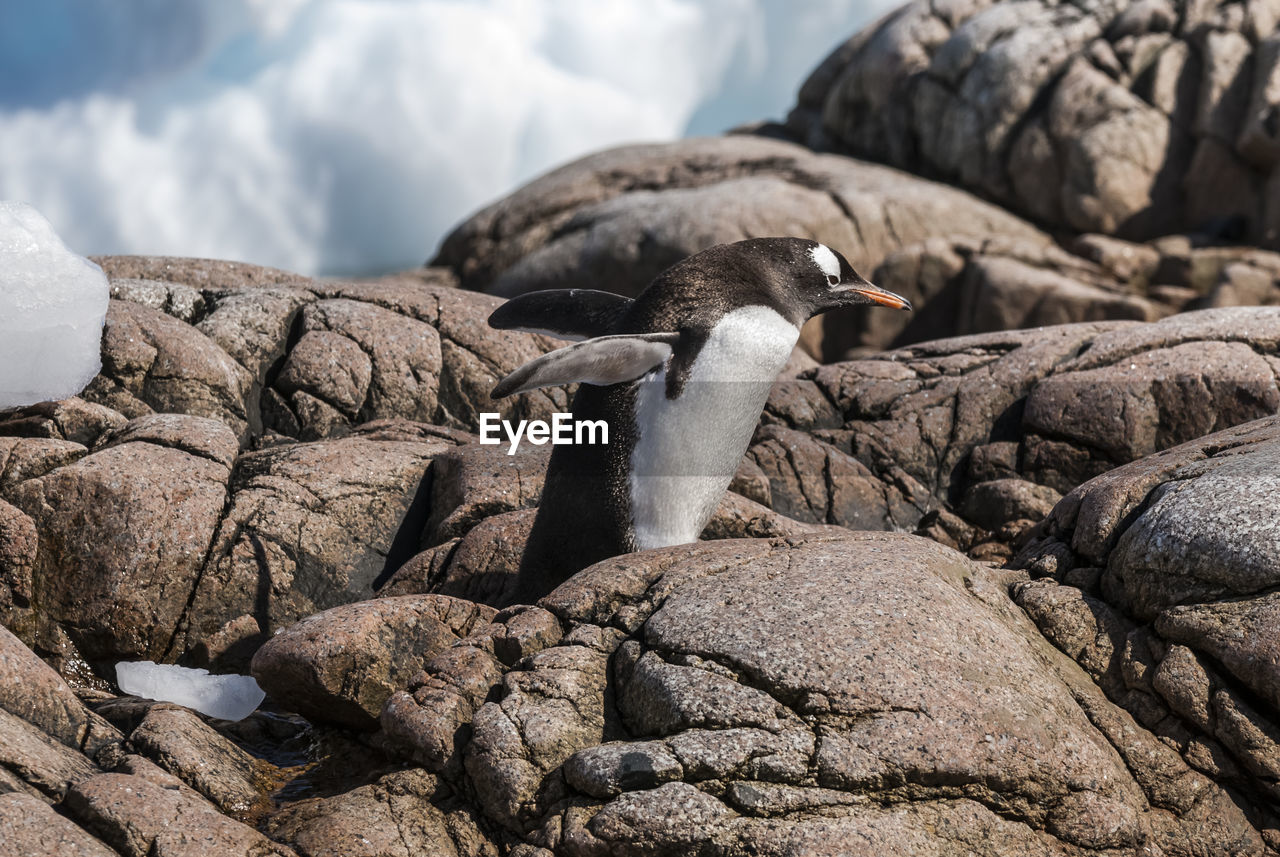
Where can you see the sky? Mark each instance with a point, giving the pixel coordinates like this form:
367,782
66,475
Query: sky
343,137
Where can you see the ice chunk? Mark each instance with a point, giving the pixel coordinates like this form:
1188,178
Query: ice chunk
227,697
52,306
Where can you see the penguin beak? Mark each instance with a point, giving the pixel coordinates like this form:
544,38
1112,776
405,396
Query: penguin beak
863,292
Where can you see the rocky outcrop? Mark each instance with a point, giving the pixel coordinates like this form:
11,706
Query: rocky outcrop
752,696
1129,119
1158,578
617,219
884,441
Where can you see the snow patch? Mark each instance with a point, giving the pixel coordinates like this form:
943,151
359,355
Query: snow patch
226,697
52,307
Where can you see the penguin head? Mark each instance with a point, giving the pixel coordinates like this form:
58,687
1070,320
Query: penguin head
798,277
825,281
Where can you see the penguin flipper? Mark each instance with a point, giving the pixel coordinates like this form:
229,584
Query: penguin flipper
563,313
603,360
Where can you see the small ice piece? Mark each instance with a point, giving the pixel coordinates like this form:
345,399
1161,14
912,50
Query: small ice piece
227,697
52,306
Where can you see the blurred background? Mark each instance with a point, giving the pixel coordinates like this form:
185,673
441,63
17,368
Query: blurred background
346,137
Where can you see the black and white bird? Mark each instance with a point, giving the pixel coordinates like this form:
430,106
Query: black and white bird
680,374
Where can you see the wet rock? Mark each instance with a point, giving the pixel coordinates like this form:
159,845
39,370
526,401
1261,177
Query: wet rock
341,665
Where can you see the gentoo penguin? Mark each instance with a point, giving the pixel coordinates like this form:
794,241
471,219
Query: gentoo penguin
680,374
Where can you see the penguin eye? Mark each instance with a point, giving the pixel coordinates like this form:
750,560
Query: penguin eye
833,279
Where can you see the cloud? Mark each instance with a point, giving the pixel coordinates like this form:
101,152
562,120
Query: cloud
347,136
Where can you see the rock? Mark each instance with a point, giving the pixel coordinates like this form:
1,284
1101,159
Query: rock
30,827
49,767
403,814
139,818
123,536
201,436
480,566
18,545
311,526
617,219
1184,559
992,504
341,665
198,274
760,692
180,743
1134,120
477,481
73,420
152,363
365,362
912,429
28,458
34,693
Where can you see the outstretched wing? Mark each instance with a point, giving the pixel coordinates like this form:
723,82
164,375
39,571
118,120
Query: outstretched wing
563,313
603,360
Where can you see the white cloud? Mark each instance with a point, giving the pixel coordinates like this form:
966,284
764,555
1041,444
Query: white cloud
348,135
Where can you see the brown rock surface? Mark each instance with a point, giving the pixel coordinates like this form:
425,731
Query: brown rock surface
1183,564
1128,119
339,666
751,696
29,827
140,818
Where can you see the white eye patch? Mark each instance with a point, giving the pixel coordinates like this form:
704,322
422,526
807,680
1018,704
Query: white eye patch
826,261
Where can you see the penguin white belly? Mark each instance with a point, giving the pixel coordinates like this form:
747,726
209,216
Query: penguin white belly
688,449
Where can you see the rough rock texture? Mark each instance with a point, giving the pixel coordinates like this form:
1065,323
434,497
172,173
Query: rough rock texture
617,219
1131,119
753,696
339,666
1162,584
169,512
404,814
885,441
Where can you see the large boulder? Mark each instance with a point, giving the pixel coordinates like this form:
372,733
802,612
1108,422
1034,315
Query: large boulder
754,696
1130,119
1159,578
617,219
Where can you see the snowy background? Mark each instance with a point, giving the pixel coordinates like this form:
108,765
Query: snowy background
348,136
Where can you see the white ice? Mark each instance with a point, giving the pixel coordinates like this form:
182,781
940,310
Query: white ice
52,305
347,136
227,697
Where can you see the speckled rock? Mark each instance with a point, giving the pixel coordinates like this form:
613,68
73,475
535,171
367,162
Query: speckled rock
339,666
1131,119
1176,552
